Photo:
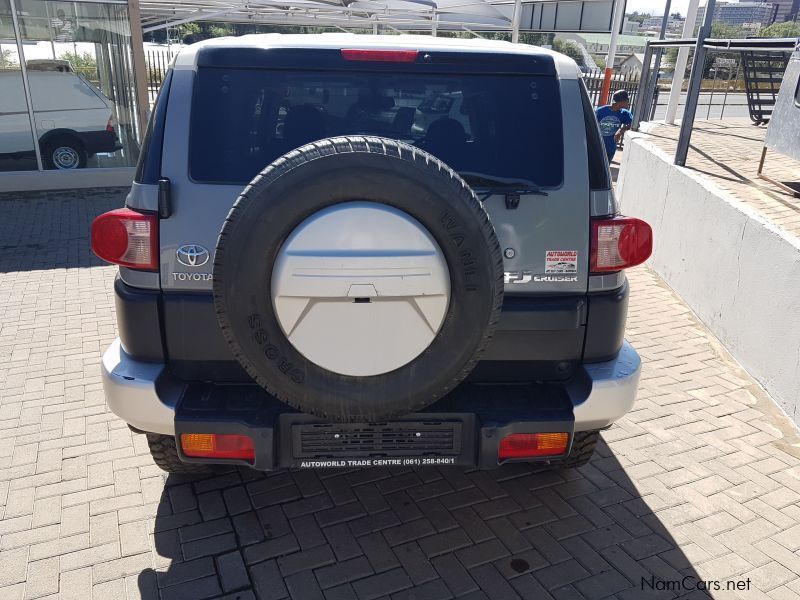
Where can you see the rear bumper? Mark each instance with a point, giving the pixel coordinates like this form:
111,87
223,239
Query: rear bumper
99,141
148,398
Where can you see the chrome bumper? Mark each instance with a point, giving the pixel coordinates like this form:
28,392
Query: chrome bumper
144,395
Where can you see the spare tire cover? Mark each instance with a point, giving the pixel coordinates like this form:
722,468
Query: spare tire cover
266,251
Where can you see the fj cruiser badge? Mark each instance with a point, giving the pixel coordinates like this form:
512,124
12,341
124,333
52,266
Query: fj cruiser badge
528,276
192,255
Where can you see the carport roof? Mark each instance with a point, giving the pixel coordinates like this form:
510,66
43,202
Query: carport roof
346,14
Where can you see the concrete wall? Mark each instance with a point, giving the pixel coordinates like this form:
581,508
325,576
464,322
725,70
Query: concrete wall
739,273
29,181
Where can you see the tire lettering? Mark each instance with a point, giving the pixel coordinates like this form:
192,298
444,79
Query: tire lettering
272,352
458,237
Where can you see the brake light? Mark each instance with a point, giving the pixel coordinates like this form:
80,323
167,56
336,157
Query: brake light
619,243
212,445
110,125
401,56
127,238
532,445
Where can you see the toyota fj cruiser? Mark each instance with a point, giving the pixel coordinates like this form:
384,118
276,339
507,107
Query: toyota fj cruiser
348,250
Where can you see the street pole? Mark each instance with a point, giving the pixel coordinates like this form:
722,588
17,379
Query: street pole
651,88
26,88
139,68
616,25
680,64
515,19
693,92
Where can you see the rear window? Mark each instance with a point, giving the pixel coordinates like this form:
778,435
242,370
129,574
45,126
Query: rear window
599,177
498,127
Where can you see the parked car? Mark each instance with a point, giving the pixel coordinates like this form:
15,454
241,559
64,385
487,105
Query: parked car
295,292
74,120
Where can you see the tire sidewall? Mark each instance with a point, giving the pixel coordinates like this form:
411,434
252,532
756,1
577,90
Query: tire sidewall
272,207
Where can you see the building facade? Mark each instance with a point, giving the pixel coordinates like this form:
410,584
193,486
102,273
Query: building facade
742,13
788,10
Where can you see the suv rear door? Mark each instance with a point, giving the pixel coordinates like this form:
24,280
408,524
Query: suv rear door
507,123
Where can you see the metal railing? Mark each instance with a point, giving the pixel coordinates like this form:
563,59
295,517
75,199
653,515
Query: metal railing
157,63
647,85
628,81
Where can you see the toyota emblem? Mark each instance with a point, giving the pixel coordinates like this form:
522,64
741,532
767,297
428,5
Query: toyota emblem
192,255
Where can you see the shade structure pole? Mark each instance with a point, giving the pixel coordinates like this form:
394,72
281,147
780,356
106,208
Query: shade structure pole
693,91
616,25
651,85
26,86
434,25
515,20
139,68
641,104
680,64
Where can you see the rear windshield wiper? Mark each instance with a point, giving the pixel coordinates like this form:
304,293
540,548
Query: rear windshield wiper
503,186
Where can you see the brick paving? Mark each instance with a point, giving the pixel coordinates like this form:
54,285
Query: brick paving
727,153
702,479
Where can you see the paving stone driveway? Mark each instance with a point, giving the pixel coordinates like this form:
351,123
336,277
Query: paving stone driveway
701,479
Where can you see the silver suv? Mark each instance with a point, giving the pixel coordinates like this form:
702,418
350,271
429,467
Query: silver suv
350,250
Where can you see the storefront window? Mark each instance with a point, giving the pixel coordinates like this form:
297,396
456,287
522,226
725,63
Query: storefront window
16,140
79,69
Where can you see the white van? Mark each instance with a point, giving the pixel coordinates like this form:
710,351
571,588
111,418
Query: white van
74,121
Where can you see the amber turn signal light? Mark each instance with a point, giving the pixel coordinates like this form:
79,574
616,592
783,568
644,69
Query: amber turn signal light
212,445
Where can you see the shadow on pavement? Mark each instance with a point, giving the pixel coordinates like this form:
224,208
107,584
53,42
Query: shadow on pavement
50,229
414,534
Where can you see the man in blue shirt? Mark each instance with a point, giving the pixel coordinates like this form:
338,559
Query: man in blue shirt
614,119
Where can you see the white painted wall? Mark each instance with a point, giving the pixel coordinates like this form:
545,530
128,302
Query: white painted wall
738,272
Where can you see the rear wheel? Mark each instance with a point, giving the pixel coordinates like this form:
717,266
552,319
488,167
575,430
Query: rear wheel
165,455
65,153
583,445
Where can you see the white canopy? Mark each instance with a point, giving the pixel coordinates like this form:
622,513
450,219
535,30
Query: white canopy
399,15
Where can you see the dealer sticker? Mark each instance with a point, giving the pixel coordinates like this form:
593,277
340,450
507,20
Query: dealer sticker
377,462
561,261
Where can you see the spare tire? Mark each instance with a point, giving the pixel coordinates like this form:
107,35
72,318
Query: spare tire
357,279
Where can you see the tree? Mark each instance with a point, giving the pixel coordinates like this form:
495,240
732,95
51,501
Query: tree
570,49
80,61
188,33
676,15
7,59
636,17
781,30
220,30
725,31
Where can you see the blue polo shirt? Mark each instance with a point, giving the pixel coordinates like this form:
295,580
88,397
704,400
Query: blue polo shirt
610,121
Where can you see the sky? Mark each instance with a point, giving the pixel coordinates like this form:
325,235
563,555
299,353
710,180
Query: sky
656,7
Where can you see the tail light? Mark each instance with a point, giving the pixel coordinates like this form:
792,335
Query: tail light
126,238
212,445
401,56
110,125
532,445
619,243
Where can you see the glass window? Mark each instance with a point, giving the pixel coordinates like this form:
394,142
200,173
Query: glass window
16,141
599,176
498,127
79,66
